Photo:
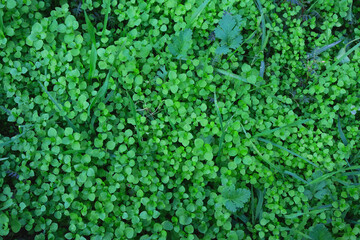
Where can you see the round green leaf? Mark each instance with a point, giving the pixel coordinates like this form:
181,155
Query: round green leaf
11,4
167,225
37,28
129,232
15,225
52,132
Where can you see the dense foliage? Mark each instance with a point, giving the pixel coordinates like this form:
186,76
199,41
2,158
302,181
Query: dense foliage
169,119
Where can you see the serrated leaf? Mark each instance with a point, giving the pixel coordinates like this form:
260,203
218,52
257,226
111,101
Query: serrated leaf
222,50
235,198
181,44
321,194
320,232
228,32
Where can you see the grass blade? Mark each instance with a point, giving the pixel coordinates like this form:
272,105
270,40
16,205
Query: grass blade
90,27
108,9
133,112
260,155
73,151
2,35
289,151
262,69
263,23
197,13
102,92
351,173
2,159
252,206
93,54
296,231
248,39
1,20
337,62
342,135
13,139
269,131
58,107
93,59
232,75
99,97
109,96
51,98
317,52
265,160
5,110
295,176
221,125
328,175
295,215
260,203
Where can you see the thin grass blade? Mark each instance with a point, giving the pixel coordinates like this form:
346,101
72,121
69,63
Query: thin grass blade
336,62
2,159
328,175
2,35
5,110
296,215
91,28
93,59
342,135
51,97
73,151
108,9
351,173
221,125
197,13
13,139
294,175
109,96
246,40
232,75
1,20
269,131
263,23
102,92
252,206
264,159
133,111
317,52
58,107
262,69
258,152
99,98
259,206
296,231
289,151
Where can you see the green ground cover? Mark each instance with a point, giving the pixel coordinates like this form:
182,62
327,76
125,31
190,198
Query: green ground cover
170,119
